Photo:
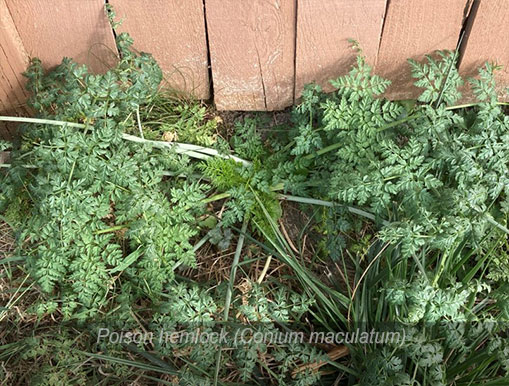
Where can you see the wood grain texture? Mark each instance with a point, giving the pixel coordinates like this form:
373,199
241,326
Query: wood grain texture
174,32
324,28
252,48
486,40
412,29
13,61
52,29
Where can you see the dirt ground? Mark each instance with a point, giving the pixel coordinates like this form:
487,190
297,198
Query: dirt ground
6,240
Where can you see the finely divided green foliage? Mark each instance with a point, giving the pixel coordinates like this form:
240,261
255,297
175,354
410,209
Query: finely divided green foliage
438,174
100,207
107,228
189,308
244,183
435,173
439,78
453,332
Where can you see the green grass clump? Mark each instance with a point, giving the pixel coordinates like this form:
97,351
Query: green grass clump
172,117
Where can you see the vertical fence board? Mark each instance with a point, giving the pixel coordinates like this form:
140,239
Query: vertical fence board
252,49
52,29
486,40
13,61
174,32
324,28
412,29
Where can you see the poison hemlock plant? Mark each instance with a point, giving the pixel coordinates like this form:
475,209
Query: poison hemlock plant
107,228
102,212
189,309
435,173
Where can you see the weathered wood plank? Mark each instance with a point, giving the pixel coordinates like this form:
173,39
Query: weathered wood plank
52,29
174,32
486,40
412,29
13,61
324,28
252,49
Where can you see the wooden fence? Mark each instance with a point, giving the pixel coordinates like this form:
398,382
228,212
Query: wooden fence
252,54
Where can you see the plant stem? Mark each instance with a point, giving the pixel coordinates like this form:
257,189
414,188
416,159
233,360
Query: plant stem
314,201
41,121
216,197
139,122
265,269
337,145
194,151
179,148
25,166
229,290
324,150
200,243
473,105
112,229
496,224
